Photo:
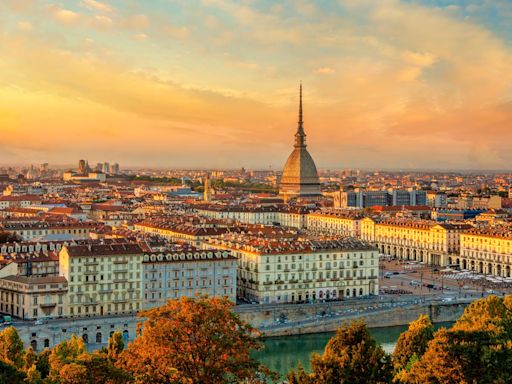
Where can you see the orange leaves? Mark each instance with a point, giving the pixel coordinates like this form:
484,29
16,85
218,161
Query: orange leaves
196,340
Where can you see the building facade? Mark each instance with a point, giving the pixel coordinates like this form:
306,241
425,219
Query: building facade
33,297
302,270
103,279
487,251
172,275
419,240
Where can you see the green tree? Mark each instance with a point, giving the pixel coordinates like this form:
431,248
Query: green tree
193,340
11,347
413,342
115,345
351,356
9,374
64,354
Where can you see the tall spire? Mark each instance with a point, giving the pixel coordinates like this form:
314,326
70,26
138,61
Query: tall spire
300,136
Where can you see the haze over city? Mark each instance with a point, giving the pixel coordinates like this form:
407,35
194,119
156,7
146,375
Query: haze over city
388,84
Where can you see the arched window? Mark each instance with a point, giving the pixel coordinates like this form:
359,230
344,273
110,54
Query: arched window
85,338
33,344
46,343
98,338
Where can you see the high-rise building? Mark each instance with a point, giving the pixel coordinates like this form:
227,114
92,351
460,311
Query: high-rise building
300,176
82,169
114,169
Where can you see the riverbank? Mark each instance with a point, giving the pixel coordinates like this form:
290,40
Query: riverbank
327,317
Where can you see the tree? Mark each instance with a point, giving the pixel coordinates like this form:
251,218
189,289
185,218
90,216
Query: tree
11,347
9,374
413,342
65,354
115,345
71,364
193,340
351,356
477,349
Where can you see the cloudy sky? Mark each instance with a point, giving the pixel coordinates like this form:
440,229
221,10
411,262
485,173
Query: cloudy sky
214,83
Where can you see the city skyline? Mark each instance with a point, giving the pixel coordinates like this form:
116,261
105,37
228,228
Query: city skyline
388,85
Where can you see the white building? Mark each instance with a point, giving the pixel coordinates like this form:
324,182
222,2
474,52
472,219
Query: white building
287,271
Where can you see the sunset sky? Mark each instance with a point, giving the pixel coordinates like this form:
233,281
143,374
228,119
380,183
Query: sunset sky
214,83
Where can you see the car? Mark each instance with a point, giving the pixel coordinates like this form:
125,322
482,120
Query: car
387,276
40,322
396,273
447,299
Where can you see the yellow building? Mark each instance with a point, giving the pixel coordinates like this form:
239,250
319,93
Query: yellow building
487,251
33,297
409,239
103,279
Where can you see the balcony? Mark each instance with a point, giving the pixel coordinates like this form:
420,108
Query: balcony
279,282
320,280
47,305
294,281
124,270
348,278
120,262
267,283
90,262
90,272
105,290
120,301
123,280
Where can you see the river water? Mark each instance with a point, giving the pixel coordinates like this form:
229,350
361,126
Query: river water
283,353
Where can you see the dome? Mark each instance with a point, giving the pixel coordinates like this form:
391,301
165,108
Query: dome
299,177
300,168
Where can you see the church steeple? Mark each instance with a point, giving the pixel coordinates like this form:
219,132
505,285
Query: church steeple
300,136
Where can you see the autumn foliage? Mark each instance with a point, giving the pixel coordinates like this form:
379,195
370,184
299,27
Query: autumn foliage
202,341
189,341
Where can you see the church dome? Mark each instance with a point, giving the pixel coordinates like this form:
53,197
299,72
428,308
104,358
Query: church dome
299,177
300,168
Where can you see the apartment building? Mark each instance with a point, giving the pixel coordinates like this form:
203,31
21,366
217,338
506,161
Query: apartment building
47,231
33,297
486,250
334,223
409,239
300,270
103,278
187,272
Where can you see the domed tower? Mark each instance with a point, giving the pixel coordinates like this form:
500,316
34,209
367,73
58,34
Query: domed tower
300,177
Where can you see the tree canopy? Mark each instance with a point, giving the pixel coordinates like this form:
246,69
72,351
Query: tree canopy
193,340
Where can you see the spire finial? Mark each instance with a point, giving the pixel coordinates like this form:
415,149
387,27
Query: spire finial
300,104
300,136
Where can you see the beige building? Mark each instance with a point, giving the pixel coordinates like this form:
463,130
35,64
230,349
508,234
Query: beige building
34,231
104,279
193,235
33,297
287,271
487,251
334,223
409,239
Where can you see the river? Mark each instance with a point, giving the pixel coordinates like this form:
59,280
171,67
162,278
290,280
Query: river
283,353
